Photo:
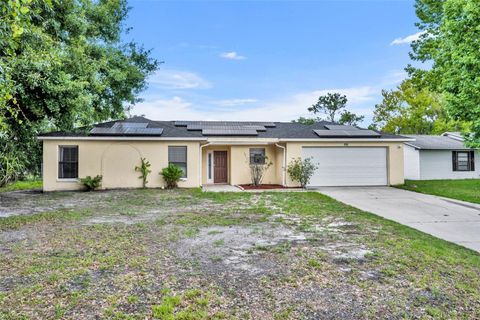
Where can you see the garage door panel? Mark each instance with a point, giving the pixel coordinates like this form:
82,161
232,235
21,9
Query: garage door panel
348,166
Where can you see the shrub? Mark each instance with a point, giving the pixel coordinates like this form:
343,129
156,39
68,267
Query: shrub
258,169
11,167
302,170
90,183
144,169
172,174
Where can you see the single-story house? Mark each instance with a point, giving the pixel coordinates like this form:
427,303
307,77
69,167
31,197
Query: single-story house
440,157
219,152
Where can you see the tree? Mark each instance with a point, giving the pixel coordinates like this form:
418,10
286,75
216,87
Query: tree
410,110
450,42
259,165
350,118
330,104
306,121
63,65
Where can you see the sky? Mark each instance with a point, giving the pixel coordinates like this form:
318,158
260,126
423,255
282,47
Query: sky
269,60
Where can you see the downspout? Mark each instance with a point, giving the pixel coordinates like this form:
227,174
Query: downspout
200,169
284,182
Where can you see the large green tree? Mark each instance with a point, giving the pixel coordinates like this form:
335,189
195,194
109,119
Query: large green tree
413,110
332,105
63,65
451,43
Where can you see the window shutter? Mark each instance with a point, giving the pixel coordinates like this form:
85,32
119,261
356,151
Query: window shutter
177,154
472,160
454,160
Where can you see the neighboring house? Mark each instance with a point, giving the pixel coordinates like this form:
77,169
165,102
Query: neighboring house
440,157
220,152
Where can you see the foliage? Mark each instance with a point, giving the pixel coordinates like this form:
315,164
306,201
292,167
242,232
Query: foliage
413,110
350,119
258,168
144,169
330,104
306,121
62,65
450,43
301,170
22,185
11,165
90,183
172,174
461,189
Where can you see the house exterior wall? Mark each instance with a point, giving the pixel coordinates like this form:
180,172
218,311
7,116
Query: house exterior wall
116,160
412,163
437,164
238,163
394,156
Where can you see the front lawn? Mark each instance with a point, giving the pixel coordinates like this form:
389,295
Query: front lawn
465,189
184,254
22,185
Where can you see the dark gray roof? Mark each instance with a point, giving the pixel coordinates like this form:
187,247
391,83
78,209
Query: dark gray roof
205,129
427,142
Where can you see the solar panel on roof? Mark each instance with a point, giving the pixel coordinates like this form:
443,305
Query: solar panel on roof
130,125
229,132
347,133
340,127
126,131
224,123
194,127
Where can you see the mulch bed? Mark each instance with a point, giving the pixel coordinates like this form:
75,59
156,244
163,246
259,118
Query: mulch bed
264,187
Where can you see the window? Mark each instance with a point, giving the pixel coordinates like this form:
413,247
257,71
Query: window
463,160
178,157
209,166
68,162
257,156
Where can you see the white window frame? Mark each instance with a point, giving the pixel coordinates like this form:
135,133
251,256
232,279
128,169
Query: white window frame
60,147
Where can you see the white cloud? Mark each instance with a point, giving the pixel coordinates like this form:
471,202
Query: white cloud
407,39
360,101
177,79
232,55
234,102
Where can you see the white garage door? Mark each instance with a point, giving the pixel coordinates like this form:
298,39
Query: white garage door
348,166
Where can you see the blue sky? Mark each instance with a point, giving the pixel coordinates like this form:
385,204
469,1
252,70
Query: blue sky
269,60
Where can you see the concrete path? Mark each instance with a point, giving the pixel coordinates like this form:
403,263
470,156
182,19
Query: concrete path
220,188
448,219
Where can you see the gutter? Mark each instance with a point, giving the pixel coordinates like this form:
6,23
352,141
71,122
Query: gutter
345,140
120,138
284,182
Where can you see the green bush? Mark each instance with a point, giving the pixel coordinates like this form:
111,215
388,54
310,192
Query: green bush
90,183
11,167
301,170
144,169
172,174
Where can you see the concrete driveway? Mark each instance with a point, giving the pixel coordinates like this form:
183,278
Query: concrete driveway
448,219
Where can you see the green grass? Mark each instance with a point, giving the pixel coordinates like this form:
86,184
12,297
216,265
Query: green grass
22,185
62,266
464,189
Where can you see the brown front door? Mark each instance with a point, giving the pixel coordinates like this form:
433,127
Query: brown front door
220,167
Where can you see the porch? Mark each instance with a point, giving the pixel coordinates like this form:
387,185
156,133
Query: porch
229,163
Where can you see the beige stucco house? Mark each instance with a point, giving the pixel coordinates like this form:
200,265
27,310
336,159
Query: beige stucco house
219,152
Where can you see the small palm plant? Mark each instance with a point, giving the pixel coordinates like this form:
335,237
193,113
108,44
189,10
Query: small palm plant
144,169
172,174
